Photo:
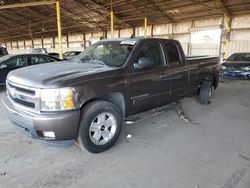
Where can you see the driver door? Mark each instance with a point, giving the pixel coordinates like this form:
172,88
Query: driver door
149,87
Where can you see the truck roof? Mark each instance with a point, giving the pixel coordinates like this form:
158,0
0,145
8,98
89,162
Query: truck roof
138,39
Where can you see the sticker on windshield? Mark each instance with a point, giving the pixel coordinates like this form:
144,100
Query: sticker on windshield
128,42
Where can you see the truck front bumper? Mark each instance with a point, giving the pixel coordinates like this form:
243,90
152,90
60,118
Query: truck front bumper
63,125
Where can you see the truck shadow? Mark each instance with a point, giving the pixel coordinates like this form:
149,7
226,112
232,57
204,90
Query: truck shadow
58,144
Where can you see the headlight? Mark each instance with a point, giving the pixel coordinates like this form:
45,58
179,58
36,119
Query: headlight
246,68
57,99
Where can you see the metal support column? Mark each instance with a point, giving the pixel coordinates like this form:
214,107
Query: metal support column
152,31
42,42
59,28
145,18
53,42
111,19
112,23
119,33
32,43
67,40
133,32
227,21
84,41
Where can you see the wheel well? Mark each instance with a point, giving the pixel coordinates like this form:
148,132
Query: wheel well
209,77
115,98
213,79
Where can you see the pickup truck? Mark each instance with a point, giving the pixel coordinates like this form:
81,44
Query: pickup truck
88,99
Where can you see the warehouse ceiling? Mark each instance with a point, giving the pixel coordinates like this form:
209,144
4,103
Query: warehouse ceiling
79,16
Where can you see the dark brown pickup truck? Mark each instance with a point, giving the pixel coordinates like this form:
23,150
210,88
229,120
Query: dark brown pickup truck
88,98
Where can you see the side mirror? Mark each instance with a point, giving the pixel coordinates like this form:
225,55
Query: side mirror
3,66
224,59
144,62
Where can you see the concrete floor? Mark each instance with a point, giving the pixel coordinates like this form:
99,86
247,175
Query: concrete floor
163,151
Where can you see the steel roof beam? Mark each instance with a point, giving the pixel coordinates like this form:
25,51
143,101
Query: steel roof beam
29,4
162,11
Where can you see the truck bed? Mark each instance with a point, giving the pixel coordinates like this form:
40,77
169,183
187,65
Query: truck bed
202,60
201,57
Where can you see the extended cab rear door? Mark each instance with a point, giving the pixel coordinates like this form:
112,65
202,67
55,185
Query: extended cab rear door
149,87
178,69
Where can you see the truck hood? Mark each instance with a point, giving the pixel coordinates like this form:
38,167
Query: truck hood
54,75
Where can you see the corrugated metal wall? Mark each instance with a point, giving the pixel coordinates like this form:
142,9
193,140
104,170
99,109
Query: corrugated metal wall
182,31
239,46
240,35
204,49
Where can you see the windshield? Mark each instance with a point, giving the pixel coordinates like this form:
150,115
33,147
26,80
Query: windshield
239,57
110,53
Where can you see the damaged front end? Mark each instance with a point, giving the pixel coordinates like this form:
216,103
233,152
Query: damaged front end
235,72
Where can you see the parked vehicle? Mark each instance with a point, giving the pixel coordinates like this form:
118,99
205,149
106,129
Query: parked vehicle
70,54
114,79
3,51
53,54
11,62
39,51
237,66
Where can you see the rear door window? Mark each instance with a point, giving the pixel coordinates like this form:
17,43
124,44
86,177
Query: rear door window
36,60
173,55
152,50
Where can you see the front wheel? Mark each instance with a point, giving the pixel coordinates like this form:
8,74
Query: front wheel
206,91
100,126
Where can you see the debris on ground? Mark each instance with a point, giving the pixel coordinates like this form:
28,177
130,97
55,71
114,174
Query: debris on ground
129,135
180,112
164,125
3,174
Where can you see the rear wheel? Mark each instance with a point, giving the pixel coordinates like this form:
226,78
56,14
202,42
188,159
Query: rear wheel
100,126
206,91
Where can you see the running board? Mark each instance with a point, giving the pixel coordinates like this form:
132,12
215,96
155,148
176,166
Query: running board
149,114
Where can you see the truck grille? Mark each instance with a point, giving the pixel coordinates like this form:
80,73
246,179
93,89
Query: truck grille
23,97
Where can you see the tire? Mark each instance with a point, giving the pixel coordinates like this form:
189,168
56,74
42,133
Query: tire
206,91
100,126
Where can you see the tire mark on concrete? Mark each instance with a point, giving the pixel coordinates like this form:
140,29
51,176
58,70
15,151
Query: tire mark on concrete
245,157
236,178
238,175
